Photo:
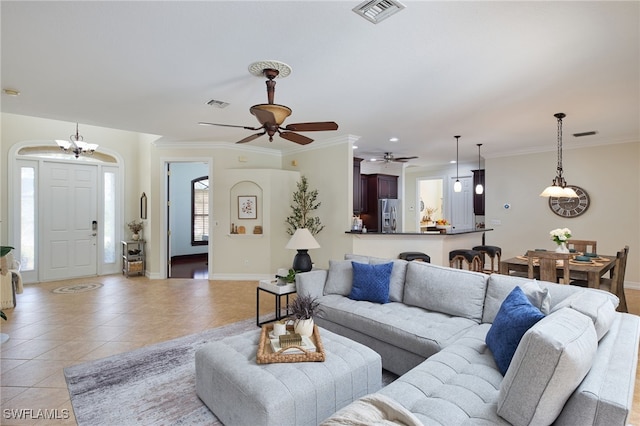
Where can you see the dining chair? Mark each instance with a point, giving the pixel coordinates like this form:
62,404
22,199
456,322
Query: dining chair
615,284
583,246
548,265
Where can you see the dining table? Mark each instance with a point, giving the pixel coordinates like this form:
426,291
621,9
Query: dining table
590,271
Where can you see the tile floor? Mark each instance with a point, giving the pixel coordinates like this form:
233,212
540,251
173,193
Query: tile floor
51,331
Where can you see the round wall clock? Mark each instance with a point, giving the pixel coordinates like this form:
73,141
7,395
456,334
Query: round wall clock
570,207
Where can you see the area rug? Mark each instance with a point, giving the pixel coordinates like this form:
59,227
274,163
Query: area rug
154,385
76,288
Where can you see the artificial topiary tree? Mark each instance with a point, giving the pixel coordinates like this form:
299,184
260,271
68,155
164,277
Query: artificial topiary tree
304,202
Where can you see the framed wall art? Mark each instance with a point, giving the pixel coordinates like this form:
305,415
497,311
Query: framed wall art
247,207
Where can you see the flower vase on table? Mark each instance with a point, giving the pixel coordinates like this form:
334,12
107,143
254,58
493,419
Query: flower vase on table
560,237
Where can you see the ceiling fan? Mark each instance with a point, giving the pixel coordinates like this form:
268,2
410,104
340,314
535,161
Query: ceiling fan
389,157
271,116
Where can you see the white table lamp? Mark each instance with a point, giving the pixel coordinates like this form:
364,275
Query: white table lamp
302,240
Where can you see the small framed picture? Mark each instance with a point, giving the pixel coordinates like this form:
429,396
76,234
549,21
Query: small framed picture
247,207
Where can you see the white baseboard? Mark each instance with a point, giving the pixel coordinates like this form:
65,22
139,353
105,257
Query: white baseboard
631,285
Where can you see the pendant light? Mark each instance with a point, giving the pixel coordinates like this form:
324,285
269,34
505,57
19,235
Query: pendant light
558,186
479,187
457,187
77,145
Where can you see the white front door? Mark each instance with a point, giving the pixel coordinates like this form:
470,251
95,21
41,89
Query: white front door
461,203
68,212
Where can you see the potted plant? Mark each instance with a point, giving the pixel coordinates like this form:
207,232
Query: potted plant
135,226
302,309
287,279
304,203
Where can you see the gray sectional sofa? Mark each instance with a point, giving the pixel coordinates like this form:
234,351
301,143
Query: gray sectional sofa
575,366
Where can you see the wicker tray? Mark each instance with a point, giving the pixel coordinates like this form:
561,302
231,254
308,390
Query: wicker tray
265,354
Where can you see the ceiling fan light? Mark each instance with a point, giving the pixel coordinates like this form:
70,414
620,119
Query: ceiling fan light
280,112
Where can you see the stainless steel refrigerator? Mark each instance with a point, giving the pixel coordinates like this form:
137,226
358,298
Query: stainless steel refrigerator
389,215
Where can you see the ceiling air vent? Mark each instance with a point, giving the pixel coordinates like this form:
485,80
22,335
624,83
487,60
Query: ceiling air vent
378,10
590,133
219,104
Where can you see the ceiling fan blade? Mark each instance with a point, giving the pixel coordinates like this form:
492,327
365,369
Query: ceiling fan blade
203,123
294,137
250,138
312,127
263,115
404,159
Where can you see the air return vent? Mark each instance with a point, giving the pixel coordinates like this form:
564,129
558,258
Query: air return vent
378,10
219,104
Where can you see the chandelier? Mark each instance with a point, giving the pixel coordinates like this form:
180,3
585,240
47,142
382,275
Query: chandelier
559,186
77,145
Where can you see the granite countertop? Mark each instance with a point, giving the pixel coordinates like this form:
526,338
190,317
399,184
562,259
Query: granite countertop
452,232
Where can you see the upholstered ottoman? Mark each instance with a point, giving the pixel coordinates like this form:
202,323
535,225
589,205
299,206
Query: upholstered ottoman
241,392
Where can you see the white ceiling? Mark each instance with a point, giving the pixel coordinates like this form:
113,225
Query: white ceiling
492,72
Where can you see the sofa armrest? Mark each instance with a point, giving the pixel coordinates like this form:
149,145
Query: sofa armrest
605,396
311,283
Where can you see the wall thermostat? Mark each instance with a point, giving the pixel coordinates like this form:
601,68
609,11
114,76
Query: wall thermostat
507,206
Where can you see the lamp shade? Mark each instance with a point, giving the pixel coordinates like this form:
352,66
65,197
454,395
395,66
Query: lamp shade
302,240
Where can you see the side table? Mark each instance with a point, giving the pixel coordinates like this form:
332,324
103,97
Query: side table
271,286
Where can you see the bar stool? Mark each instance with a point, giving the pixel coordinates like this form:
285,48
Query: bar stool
472,257
414,255
493,252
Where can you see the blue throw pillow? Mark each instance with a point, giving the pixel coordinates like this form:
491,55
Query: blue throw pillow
515,317
371,282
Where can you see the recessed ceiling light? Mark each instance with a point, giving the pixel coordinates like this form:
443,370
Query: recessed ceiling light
394,139
452,162
11,92
355,147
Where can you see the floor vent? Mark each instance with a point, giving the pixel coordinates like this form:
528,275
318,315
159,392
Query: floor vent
378,10
219,104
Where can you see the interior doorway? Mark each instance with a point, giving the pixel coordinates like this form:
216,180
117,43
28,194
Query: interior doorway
188,192
430,202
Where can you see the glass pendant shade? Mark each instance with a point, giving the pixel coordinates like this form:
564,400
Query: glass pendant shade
457,186
479,187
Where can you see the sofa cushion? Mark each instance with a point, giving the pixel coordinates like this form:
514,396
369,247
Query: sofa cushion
339,277
515,317
413,329
398,275
457,386
499,286
597,305
451,291
371,282
549,364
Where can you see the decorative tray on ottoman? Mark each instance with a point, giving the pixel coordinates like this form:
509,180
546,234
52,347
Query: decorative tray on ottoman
266,355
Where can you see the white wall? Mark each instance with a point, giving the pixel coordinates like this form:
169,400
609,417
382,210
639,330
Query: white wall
611,176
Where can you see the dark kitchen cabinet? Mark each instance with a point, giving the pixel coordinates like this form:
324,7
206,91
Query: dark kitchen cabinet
381,186
478,199
357,186
375,187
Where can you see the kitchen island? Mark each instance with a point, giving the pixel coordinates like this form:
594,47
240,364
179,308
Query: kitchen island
436,245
